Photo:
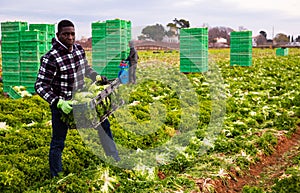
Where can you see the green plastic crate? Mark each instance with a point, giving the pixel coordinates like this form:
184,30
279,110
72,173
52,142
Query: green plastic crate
115,47
99,25
119,55
10,56
110,75
98,55
10,46
32,56
117,23
241,46
101,33
116,42
193,38
11,76
98,41
187,32
14,26
28,76
13,94
99,69
241,41
241,56
99,62
241,34
49,36
42,27
200,52
39,46
184,61
33,36
193,64
8,83
10,66
187,48
10,36
29,66
240,59
183,68
282,51
116,32
198,68
193,42
99,48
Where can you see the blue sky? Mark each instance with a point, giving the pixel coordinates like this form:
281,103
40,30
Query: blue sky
254,15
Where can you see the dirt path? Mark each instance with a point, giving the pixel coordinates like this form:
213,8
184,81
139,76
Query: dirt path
267,169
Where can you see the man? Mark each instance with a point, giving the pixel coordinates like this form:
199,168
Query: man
62,71
133,60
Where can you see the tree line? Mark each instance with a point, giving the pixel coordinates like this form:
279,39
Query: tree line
158,32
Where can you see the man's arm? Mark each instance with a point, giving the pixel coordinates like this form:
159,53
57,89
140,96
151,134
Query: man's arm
44,79
90,72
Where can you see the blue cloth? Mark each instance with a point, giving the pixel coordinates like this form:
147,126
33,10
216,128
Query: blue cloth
123,76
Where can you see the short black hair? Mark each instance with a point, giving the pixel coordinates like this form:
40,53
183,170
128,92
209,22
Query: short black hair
64,23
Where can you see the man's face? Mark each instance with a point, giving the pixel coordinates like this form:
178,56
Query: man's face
67,36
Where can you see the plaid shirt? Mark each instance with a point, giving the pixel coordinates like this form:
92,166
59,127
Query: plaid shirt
62,72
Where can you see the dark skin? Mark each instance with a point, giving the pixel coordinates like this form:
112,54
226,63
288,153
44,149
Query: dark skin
67,36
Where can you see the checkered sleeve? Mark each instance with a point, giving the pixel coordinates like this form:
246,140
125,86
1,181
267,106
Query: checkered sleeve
43,83
89,71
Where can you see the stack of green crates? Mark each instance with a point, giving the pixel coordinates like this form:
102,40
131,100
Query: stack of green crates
99,46
10,48
48,29
241,48
193,50
110,45
282,51
33,44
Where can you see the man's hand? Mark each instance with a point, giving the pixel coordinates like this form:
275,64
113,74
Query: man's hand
102,79
65,106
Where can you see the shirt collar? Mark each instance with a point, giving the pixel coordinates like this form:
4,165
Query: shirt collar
63,45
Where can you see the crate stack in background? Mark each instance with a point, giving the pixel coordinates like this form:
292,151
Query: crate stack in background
282,51
33,44
99,46
193,50
241,48
10,48
22,46
110,45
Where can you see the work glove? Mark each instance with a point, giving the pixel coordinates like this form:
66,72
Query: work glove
65,106
102,79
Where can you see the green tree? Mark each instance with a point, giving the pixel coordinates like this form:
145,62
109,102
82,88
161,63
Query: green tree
263,33
153,32
281,38
181,23
219,32
176,25
261,40
173,30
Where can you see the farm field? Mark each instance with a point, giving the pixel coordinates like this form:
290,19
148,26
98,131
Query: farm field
245,124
